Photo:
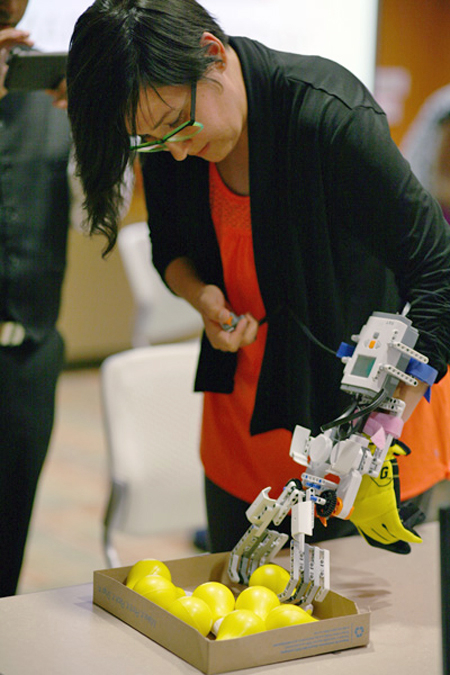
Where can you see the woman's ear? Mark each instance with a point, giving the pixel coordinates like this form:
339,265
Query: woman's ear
215,48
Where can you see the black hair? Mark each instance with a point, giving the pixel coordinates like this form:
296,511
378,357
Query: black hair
119,47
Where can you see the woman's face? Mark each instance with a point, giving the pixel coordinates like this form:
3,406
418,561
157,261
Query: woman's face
222,118
11,12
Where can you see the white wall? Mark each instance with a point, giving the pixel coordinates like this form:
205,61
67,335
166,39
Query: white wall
51,22
343,30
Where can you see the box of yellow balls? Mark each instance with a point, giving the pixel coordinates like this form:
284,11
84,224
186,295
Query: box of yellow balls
190,607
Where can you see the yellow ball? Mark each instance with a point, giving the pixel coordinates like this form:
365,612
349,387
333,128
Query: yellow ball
258,599
158,589
271,576
144,567
287,615
218,596
193,611
239,623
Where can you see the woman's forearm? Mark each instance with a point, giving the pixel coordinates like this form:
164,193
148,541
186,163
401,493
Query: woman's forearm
183,279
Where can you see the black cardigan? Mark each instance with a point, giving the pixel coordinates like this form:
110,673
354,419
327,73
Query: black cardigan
336,216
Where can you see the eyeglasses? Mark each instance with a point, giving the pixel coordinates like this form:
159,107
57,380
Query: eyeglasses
173,136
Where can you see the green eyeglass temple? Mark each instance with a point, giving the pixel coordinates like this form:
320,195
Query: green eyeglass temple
160,144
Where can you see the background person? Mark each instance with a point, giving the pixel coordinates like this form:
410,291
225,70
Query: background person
39,196
34,200
288,203
426,146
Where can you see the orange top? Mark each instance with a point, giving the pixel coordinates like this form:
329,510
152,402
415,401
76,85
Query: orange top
242,464
235,461
427,433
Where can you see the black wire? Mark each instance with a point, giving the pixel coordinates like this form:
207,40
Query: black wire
309,335
350,414
346,418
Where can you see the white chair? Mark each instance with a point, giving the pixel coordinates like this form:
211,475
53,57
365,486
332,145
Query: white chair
152,420
161,316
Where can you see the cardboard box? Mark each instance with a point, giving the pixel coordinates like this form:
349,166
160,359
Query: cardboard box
341,625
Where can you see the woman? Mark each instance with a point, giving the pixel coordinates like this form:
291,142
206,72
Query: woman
288,203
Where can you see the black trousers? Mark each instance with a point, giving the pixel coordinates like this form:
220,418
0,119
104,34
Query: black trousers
28,376
227,521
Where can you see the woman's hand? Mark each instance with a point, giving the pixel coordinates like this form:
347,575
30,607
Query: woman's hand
211,304
181,276
59,95
9,38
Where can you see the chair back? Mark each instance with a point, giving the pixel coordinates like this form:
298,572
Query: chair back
152,420
160,316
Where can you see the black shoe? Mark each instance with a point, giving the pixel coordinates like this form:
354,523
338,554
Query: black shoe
201,540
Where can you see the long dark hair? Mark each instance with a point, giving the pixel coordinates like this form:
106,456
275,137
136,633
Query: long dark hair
117,48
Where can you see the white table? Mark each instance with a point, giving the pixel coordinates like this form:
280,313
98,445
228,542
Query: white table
61,632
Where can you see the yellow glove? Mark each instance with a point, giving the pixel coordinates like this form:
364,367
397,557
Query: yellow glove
375,511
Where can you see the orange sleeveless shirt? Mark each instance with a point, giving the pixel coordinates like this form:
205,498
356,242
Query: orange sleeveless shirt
235,461
242,464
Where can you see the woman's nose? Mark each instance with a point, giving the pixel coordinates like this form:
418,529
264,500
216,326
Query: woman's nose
178,150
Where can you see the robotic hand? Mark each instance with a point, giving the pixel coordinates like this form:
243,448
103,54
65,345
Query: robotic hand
350,468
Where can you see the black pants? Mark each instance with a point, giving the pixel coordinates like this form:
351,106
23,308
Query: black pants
28,377
227,521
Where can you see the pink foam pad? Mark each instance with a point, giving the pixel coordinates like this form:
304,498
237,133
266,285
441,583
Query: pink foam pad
379,424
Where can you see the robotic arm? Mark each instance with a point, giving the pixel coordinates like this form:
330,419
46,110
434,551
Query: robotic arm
336,461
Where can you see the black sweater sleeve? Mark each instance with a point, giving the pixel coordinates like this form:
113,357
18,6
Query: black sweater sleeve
398,221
